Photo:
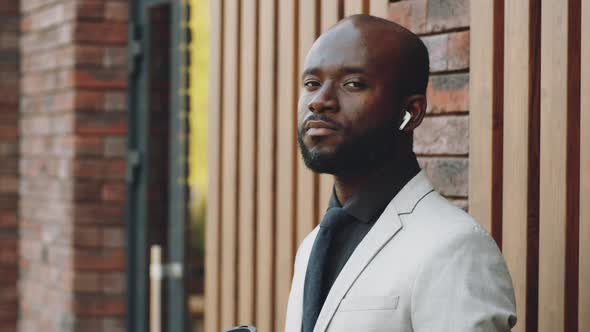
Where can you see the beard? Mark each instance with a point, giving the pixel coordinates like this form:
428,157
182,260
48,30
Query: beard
357,155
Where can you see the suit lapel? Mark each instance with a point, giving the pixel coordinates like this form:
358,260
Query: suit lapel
384,229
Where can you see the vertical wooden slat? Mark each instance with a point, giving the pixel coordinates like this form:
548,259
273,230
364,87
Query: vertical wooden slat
352,7
329,17
572,179
265,165
379,8
229,164
247,147
584,242
212,241
516,145
481,111
306,180
286,157
553,178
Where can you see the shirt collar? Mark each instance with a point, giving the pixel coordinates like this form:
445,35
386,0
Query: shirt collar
370,201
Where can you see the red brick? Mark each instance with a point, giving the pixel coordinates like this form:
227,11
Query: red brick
448,93
88,236
89,146
73,56
89,100
115,146
103,261
8,183
9,8
111,124
448,135
449,175
410,14
87,191
113,283
92,305
437,46
458,51
114,192
8,219
87,282
447,14
108,33
98,79
88,9
98,213
116,11
8,149
115,101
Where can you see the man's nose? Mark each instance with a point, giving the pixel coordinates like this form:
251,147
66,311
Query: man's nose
324,100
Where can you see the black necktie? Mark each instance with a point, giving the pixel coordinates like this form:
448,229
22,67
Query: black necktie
314,292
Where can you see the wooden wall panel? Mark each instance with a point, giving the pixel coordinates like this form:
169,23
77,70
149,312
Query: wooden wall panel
307,181
246,226
260,189
553,177
584,242
352,7
481,111
516,145
229,169
379,8
287,156
265,165
212,240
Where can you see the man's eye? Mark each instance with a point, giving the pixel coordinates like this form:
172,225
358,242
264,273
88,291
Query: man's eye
311,84
355,84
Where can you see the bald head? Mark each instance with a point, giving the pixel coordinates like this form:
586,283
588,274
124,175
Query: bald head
390,47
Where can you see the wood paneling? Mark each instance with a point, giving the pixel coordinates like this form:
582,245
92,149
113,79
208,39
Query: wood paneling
529,130
553,177
286,156
584,241
248,79
516,146
265,164
212,240
229,169
352,7
481,111
379,8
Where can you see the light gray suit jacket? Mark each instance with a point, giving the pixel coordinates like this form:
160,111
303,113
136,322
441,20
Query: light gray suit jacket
426,265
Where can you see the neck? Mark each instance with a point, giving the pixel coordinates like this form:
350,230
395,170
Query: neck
346,185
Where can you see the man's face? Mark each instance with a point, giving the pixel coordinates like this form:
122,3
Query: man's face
347,110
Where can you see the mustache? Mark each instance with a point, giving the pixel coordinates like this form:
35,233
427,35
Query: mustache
320,117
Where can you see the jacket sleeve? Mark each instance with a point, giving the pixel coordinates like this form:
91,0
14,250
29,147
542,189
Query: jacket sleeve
464,286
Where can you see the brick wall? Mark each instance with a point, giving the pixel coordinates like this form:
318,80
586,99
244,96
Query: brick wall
73,128
442,142
9,90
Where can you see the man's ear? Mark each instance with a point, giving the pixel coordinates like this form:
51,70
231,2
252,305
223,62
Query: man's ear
416,106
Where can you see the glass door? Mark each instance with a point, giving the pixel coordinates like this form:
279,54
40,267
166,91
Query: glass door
156,209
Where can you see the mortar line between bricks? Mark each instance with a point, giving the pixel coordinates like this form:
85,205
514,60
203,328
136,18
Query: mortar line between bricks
449,72
447,113
442,155
442,32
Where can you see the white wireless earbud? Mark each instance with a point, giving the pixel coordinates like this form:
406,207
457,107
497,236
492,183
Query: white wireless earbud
407,117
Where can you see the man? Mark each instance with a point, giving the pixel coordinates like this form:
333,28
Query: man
390,254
